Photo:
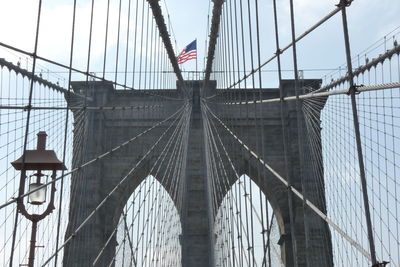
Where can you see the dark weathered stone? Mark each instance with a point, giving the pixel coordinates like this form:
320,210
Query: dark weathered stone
103,130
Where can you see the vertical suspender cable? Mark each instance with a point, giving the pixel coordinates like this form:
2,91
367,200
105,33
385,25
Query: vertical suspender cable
299,131
66,129
255,124
134,44
141,45
265,246
127,42
343,4
106,39
118,37
284,137
146,59
20,192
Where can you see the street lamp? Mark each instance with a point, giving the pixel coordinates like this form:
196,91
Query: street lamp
38,161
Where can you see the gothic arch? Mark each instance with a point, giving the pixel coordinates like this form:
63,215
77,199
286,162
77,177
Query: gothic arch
237,207
273,189
131,184
162,195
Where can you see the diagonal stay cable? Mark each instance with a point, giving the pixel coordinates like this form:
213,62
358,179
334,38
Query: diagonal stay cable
264,261
159,18
111,192
308,31
211,136
166,172
140,204
83,107
129,239
233,168
158,209
313,207
300,37
231,164
163,156
153,203
88,74
25,73
215,23
324,91
362,69
94,159
225,175
318,93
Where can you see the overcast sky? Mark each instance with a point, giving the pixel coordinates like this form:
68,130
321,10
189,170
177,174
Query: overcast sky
369,20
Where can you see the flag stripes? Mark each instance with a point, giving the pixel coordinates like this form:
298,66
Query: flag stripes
188,53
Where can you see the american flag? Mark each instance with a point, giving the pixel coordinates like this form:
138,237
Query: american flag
188,53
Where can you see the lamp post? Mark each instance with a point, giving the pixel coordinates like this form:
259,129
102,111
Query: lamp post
39,161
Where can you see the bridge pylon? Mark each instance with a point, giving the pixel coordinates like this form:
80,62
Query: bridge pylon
103,130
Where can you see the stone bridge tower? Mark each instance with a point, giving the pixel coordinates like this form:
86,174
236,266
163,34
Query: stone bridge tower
103,130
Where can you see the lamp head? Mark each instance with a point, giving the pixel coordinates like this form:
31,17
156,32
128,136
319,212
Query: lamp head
39,159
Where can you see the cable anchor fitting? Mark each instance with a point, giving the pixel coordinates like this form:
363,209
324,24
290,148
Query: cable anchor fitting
27,107
381,264
344,3
354,89
278,52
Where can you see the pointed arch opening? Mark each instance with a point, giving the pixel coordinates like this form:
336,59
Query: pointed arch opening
246,231
149,228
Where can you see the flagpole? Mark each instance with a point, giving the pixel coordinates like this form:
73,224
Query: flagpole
196,60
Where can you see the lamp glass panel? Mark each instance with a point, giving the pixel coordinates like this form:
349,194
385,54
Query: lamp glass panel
38,197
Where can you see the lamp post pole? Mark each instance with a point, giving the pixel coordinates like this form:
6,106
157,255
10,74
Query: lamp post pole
33,244
38,160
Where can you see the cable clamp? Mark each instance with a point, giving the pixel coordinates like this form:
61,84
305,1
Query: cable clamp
289,186
27,107
381,264
265,231
344,3
358,86
278,52
354,89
